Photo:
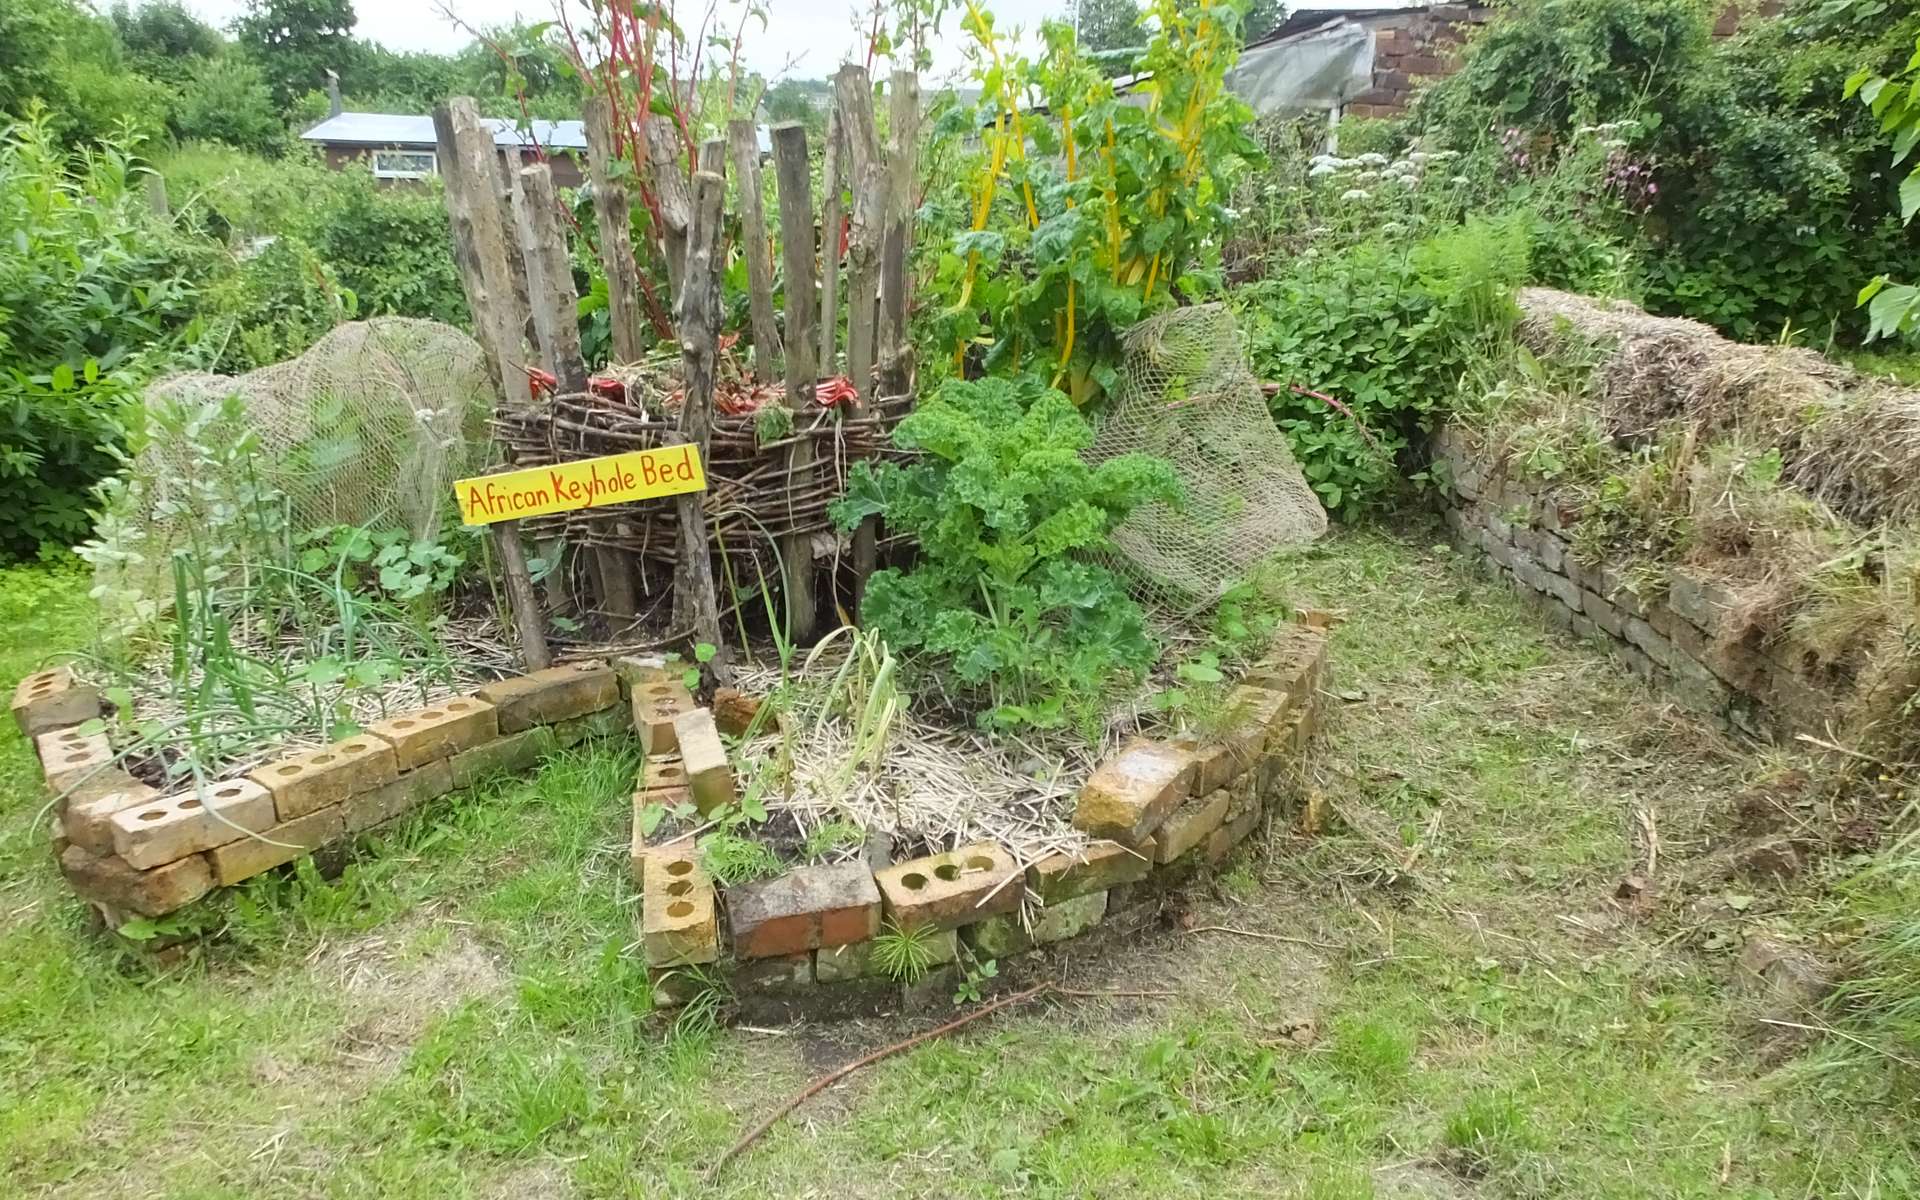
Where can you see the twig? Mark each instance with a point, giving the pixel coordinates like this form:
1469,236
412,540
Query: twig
1268,937
832,1077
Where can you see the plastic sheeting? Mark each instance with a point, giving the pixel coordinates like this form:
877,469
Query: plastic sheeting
1308,72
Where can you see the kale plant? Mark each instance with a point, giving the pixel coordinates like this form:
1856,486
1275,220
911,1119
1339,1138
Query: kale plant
1006,594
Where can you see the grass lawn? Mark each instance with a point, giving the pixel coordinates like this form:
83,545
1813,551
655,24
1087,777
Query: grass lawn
461,1013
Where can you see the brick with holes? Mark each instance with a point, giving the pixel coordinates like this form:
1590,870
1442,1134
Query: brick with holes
553,695
48,700
189,822
679,925
439,731
317,779
658,701
69,758
947,890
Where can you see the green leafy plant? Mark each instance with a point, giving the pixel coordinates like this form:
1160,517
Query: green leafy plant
973,983
1005,597
829,838
1894,308
904,953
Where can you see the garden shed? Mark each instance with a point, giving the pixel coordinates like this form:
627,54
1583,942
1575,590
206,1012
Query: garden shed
401,146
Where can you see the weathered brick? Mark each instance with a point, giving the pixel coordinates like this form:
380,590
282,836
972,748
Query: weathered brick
51,699
1096,868
837,964
1134,790
1243,817
634,670
1190,824
68,758
1699,598
1006,935
245,857
416,787
608,722
804,909
945,890
317,779
108,880
704,758
665,772
87,822
1603,614
175,826
656,705
1649,642
510,754
734,712
778,973
553,695
678,923
440,731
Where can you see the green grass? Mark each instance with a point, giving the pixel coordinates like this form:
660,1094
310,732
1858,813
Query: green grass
462,1013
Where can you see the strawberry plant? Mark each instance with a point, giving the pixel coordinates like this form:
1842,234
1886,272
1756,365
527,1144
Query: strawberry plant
1006,595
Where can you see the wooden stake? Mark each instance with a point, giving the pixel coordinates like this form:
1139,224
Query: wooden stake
613,216
793,183
744,144
520,595
863,287
556,304
672,195
896,280
469,161
694,603
853,89
713,157
556,322
832,169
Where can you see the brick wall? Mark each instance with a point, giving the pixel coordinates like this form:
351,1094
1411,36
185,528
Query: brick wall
1411,47
1681,629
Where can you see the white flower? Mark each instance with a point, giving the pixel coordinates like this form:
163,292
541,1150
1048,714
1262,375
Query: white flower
1319,170
1354,194
1373,160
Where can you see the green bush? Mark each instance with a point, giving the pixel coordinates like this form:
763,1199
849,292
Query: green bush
1759,193
227,101
1387,330
1005,595
94,297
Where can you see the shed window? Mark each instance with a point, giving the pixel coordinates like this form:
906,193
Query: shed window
404,164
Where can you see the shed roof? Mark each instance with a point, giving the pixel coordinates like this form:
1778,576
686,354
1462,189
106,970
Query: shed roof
397,129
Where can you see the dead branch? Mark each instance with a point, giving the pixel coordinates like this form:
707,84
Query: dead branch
1265,937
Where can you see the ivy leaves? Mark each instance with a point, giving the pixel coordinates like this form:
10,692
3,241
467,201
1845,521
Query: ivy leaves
1003,597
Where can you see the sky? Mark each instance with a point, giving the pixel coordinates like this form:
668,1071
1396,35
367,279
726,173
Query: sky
816,35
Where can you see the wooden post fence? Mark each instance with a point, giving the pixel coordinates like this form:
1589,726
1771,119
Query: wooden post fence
793,184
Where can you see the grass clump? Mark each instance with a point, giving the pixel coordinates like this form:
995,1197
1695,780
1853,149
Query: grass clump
904,953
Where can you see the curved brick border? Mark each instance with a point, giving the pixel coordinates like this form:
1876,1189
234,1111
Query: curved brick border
800,943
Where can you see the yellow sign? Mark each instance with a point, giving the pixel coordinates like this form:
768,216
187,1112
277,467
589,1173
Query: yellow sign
589,483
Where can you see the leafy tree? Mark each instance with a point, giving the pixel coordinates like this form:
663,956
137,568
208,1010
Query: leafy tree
1263,17
164,40
802,100
1894,308
228,101
70,60
296,42
1109,25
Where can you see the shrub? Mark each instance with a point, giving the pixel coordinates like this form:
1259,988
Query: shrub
1386,330
1005,596
94,296
227,101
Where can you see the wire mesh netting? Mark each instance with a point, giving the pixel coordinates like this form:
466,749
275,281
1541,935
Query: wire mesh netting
1187,396
368,427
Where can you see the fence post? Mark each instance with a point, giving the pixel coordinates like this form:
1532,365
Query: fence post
832,168
793,183
613,215
903,132
744,143
694,602
676,202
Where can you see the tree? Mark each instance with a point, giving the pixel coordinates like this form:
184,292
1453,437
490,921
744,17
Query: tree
228,101
63,56
1109,25
166,41
296,42
1893,309
1263,17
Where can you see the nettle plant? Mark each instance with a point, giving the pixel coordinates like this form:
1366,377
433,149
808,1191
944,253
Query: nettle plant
1086,217
1006,595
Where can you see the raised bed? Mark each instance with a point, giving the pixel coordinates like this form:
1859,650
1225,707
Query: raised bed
1153,812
